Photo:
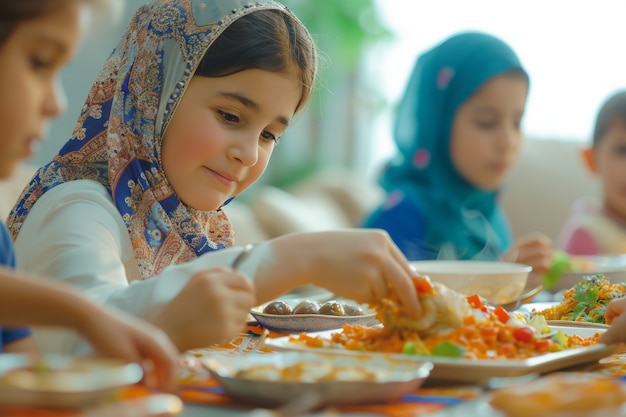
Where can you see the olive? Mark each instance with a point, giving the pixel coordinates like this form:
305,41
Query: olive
332,308
277,307
353,310
306,307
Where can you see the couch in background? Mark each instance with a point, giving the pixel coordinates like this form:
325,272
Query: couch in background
546,180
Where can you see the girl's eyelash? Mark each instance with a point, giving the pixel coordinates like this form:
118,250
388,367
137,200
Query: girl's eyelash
38,63
231,118
271,136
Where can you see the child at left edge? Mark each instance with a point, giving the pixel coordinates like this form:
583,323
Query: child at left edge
37,39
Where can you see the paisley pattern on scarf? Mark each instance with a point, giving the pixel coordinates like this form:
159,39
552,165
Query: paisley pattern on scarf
117,139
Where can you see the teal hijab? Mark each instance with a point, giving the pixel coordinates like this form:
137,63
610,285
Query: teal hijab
432,211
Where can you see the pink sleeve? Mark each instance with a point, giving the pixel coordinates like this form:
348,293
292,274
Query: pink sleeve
581,242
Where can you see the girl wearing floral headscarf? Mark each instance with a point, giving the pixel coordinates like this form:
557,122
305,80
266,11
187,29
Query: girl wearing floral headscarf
183,117
458,133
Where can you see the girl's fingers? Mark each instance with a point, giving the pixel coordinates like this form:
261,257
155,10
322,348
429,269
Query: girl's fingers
400,277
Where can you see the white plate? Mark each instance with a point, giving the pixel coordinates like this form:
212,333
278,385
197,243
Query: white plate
479,371
334,378
54,381
530,308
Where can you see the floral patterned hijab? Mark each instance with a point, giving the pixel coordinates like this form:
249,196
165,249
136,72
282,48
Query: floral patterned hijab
460,220
118,136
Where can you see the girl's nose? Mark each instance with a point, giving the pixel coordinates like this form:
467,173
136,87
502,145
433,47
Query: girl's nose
245,149
55,101
508,138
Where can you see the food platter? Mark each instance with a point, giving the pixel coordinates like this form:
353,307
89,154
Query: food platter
479,371
334,378
57,381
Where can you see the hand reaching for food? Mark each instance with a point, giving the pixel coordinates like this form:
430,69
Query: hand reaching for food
442,310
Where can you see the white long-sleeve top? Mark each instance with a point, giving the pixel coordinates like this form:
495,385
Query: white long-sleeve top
74,233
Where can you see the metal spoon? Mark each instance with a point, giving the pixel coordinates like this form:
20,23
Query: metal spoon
241,256
527,297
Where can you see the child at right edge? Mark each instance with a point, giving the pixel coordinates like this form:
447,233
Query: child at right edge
600,229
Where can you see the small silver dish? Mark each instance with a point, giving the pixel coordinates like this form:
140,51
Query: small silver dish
58,381
274,379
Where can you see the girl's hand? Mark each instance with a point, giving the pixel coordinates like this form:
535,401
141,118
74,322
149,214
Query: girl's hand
535,250
614,315
115,334
361,264
211,308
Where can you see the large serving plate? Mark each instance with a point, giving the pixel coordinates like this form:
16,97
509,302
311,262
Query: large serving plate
56,381
479,371
330,378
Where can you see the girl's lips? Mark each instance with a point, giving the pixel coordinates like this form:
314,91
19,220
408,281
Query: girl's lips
223,178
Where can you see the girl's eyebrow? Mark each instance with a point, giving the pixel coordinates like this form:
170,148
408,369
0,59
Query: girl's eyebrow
50,40
251,105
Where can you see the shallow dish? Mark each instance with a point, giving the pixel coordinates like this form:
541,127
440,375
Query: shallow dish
479,371
497,282
336,378
56,381
296,323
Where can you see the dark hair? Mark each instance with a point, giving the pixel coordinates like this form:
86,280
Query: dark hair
12,13
15,12
614,108
269,40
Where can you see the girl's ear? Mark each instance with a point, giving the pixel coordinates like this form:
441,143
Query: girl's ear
589,160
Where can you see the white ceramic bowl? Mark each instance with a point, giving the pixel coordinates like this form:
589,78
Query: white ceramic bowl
612,266
497,282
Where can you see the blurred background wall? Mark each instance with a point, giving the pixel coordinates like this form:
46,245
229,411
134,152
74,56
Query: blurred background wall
573,50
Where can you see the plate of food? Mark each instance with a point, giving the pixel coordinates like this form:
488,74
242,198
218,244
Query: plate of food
465,338
275,379
459,369
57,381
571,394
305,315
584,304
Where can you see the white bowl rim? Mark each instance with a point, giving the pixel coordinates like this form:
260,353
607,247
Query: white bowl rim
468,267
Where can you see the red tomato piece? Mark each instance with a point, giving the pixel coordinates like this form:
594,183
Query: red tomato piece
475,301
423,285
502,314
524,334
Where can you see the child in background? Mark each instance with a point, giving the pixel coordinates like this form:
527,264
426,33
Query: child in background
37,39
596,229
458,134
183,117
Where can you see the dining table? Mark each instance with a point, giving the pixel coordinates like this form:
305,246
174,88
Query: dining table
200,394
438,398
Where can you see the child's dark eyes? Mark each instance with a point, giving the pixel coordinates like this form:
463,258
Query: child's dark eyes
486,124
231,118
270,136
620,150
38,63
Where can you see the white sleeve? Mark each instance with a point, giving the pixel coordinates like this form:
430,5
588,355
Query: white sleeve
75,234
